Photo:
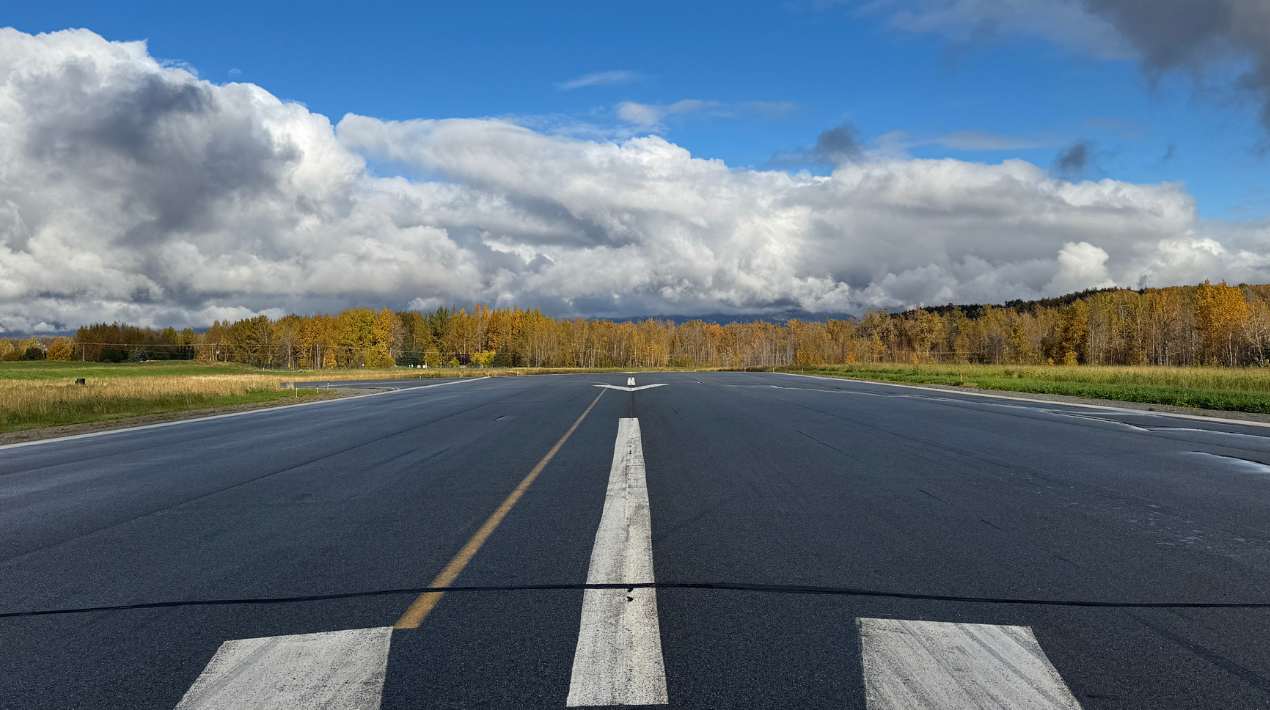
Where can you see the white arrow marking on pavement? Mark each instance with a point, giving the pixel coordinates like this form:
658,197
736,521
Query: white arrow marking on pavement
340,670
928,664
618,659
631,389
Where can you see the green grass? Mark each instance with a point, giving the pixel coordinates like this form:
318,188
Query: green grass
59,370
1230,389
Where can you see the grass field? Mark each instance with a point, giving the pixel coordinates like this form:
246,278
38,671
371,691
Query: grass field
42,394
62,370
1231,389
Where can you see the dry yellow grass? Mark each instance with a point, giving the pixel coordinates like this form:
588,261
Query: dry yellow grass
43,394
26,404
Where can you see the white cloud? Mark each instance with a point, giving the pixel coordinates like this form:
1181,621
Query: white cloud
1065,22
137,191
600,78
652,115
1081,265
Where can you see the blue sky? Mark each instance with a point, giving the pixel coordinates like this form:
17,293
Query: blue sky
779,72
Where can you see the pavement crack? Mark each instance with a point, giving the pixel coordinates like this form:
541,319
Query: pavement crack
797,589
932,495
1248,675
822,443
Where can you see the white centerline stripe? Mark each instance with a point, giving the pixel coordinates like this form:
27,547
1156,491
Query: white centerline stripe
618,659
927,664
339,670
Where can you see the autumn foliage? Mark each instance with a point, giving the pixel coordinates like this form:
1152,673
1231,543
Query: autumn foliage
1208,324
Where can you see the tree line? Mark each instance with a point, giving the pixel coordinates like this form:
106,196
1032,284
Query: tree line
1207,324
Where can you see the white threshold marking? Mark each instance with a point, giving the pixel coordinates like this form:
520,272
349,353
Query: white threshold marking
630,381
618,659
928,664
339,670
262,410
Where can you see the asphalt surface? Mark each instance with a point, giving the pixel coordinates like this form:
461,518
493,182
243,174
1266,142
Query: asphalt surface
783,509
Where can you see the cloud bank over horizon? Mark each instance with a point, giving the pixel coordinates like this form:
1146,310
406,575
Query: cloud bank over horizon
131,189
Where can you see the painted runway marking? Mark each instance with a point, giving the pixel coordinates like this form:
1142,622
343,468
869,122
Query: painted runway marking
1234,434
968,393
423,605
341,670
630,381
618,659
817,389
1246,465
629,389
1104,420
927,664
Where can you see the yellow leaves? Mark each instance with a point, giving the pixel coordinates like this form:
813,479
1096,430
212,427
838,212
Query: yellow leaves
1173,326
1220,312
61,349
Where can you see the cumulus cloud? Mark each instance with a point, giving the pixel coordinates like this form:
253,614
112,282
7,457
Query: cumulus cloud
1081,265
131,189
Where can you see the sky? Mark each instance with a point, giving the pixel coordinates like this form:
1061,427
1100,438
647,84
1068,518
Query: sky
166,164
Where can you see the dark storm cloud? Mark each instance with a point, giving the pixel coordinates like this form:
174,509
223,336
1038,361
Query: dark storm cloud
163,133
834,146
1073,160
1187,34
837,145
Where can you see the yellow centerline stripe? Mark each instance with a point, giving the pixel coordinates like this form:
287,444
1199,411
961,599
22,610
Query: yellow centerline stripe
424,604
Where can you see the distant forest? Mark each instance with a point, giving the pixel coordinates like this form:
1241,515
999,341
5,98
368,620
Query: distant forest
1208,324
